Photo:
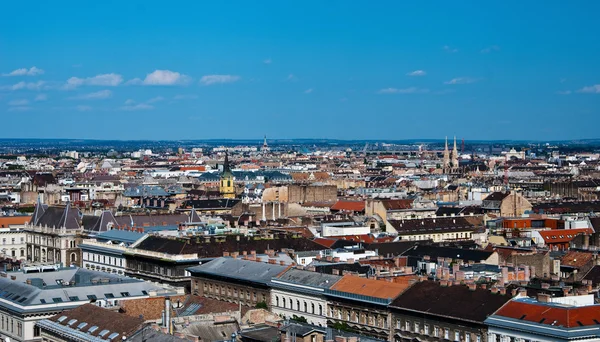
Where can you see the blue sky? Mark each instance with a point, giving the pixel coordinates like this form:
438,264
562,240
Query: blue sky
311,69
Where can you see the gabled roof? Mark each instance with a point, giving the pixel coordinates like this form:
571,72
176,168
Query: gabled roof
59,217
99,223
194,218
497,196
551,314
397,204
458,301
40,208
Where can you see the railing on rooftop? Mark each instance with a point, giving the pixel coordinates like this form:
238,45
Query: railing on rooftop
142,252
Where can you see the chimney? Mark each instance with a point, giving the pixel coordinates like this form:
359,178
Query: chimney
12,277
253,252
282,263
225,254
502,291
543,298
336,259
484,286
472,286
272,261
244,253
335,271
443,283
350,260
545,286
494,289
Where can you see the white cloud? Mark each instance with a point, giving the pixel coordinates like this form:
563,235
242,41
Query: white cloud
216,79
27,85
185,97
129,102
33,71
104,80
268,61
83,108
595,89
308,91
98,95
155,99
292,77
410,90
563,92
139,106
462,80
490,49
449,49
19,102
162,78
417,73
19,109
41,97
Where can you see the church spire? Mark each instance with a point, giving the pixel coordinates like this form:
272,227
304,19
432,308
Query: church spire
226,167
446,157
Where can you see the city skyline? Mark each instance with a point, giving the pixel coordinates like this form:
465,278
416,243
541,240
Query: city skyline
385,71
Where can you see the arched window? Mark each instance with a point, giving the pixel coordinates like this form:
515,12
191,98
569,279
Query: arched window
298,305
276,300
320,310
312,305
291,304
73,257
305,307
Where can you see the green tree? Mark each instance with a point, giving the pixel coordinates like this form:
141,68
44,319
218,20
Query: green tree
262,305
299,319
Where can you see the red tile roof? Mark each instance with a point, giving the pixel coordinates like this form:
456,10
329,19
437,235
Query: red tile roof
576,259
563,235
568,317
398,204
349,205
325,242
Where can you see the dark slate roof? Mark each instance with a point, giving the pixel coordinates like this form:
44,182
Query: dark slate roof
496,196
151,220
40,209
205,204
393,248
356,267
214,246
58,217
457,301
567,207
145,191
101,223
593,275
448,252
309,278
43,179
239,269
437,225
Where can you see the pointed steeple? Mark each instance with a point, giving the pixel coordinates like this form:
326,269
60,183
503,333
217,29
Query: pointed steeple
226,167
455,156
446,157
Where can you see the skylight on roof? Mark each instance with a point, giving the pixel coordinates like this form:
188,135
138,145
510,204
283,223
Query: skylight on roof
109,295
81,325
57,300
92,329
61,319
103,332
113,335
43,301
71,322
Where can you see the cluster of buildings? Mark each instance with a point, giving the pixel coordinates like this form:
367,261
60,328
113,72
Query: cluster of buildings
262,243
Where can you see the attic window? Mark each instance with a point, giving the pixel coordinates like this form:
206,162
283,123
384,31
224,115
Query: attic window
580,324
43,301
92,297
81,325
16,297
61,319
596,321
109,295
57,300
542,320
92,329
71,322
112,336
103,332
144,292
124,294
73,298
522,316
22,299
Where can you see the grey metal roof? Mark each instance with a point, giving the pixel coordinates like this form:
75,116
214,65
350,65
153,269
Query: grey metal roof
120,236
309,278
246,270
55,287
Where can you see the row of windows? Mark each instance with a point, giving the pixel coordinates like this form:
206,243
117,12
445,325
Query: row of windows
103,269
437,237
359,317
289,304
8,325
13,252
51,242
93,257
437,331
233,292
12,241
